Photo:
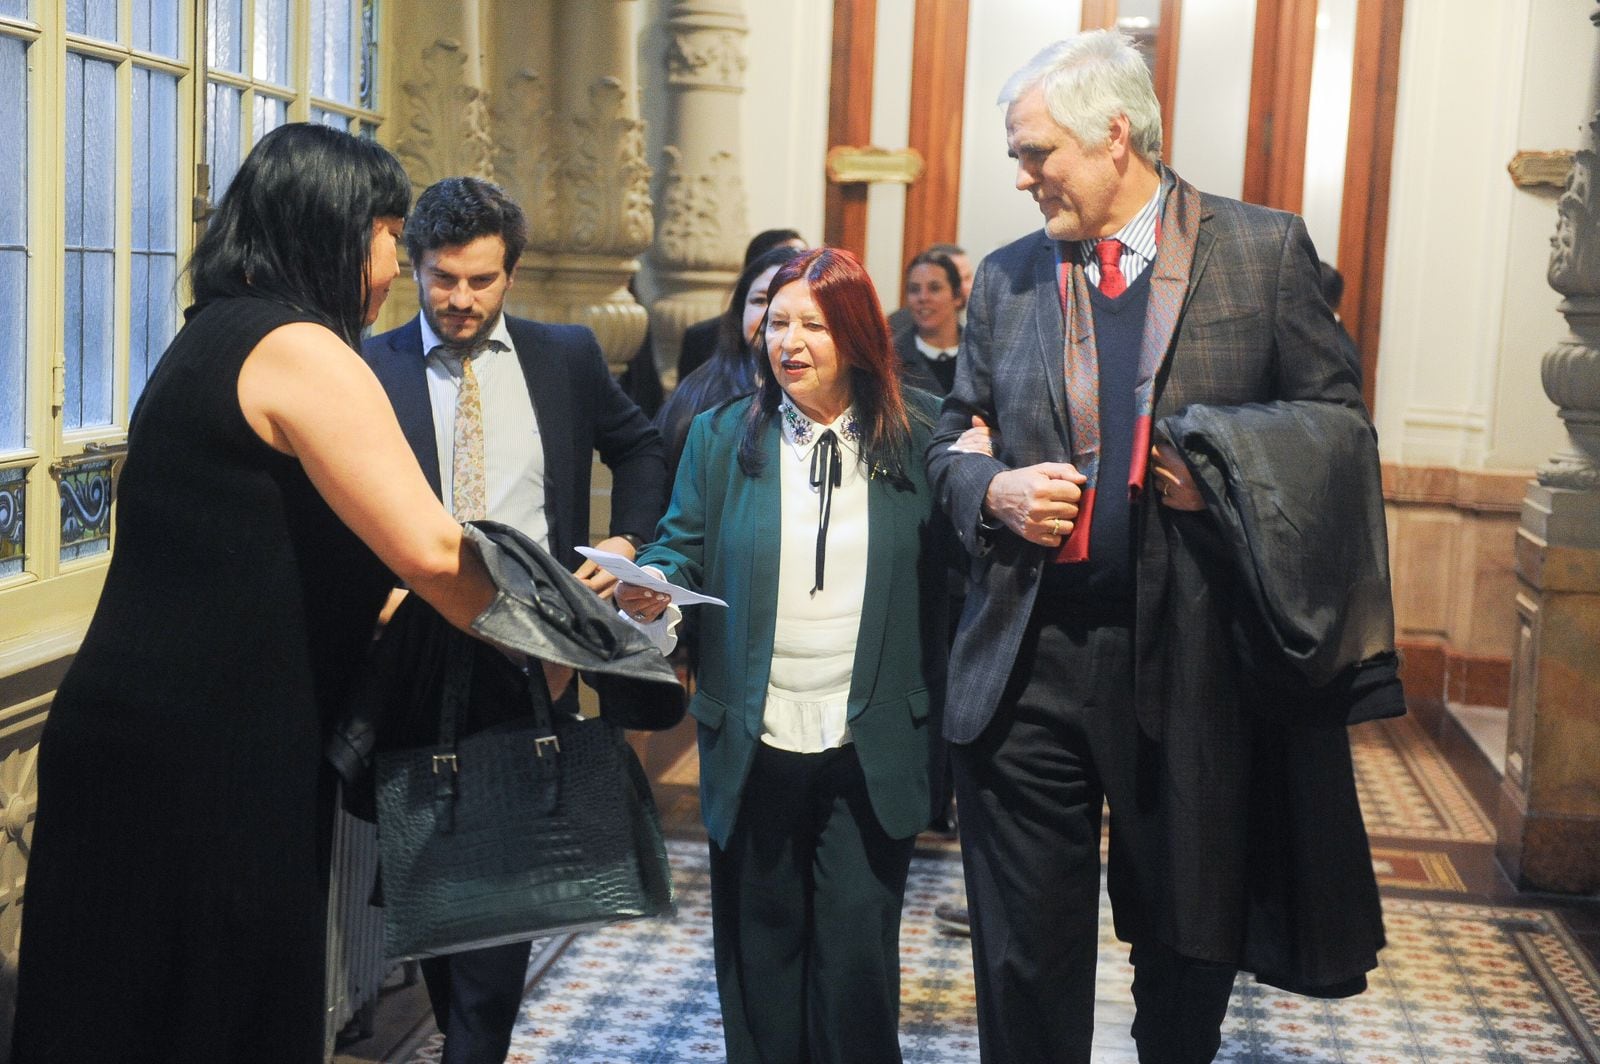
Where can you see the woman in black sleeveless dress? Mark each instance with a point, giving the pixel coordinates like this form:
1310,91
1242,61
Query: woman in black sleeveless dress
175,895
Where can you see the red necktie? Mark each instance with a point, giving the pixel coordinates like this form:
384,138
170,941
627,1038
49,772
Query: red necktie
1109,252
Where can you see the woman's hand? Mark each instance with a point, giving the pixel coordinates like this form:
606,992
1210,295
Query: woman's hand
641,603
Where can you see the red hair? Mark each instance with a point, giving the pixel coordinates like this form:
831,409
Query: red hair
844,293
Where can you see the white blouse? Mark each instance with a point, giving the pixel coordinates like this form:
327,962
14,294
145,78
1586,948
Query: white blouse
814,641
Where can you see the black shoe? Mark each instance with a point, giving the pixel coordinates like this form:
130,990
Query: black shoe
953,918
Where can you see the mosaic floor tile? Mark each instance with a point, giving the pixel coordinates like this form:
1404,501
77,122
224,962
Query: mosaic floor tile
1408,790
1460,983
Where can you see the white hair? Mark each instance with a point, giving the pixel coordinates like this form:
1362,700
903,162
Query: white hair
1089,80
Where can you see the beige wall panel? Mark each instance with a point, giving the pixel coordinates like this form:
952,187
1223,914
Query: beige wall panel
1426,544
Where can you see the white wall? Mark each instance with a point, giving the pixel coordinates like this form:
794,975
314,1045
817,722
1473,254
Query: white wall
785,113
1328,124
891,128
1001,36
1210,118
1467,312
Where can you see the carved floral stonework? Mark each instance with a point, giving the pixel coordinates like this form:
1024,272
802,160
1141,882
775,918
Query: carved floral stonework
18,803
1575,254
707,58
444,121
526,154
1570,371
605,177
702,214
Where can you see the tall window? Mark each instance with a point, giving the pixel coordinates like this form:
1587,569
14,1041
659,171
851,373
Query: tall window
275,61
106,108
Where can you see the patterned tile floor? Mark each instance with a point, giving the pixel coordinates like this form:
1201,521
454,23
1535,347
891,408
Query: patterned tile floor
1466,977
1458,983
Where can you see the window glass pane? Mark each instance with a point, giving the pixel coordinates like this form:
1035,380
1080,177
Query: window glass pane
12,529
14,8
331,76
271,42
270,113
86,510
93,18
153,303
331,118
369,54
225,35
155,26
13,349
91,221
223,136
13,247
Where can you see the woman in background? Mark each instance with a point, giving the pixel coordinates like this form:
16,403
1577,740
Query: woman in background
928,350
806,508
731,370
179,855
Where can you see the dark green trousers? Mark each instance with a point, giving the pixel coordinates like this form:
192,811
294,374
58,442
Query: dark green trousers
805,912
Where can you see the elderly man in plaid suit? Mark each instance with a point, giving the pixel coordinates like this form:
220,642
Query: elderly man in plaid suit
1093,661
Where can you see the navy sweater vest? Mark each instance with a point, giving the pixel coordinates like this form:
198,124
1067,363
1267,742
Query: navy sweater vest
1107,576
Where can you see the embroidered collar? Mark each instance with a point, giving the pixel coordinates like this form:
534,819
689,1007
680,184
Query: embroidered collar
802,432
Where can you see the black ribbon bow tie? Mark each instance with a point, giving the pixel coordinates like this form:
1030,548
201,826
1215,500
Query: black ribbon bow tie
826,471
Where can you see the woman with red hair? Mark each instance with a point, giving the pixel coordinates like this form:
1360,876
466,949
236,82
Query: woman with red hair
806,508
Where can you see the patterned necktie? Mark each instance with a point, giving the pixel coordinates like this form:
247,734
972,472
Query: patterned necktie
468,501
1109,252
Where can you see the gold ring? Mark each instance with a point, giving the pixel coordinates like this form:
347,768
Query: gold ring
1055,526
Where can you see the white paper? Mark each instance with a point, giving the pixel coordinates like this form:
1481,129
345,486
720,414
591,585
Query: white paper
629,573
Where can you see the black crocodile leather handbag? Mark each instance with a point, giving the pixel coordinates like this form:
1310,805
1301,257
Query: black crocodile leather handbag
536,826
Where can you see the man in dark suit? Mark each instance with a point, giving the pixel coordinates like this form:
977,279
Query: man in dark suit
505,416
1092,660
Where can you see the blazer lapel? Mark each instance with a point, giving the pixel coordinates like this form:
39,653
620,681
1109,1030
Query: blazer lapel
1045,293
403,372
883,526
552,405
763,505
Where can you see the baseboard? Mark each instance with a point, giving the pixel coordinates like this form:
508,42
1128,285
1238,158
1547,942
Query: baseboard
1436,671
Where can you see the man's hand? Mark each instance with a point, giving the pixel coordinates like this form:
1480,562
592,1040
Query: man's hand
597,579
1037,502
1170,476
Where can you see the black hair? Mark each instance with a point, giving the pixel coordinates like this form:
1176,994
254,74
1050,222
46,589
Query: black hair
729,373
459,210
768,239
1332,282
295,225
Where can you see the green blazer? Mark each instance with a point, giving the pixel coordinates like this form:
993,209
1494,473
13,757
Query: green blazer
717,537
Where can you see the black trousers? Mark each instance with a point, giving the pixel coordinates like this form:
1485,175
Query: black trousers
1031,787
475,996
805,912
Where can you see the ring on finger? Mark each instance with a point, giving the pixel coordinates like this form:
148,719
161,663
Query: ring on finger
1055,526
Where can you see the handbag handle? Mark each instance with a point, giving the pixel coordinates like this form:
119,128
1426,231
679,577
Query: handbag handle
452,706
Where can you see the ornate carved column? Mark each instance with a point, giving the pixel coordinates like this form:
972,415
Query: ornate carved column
540,96
574,149
1549,817
700,229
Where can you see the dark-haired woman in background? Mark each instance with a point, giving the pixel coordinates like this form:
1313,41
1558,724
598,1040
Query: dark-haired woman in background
179,852
805,506
731,370
934,297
